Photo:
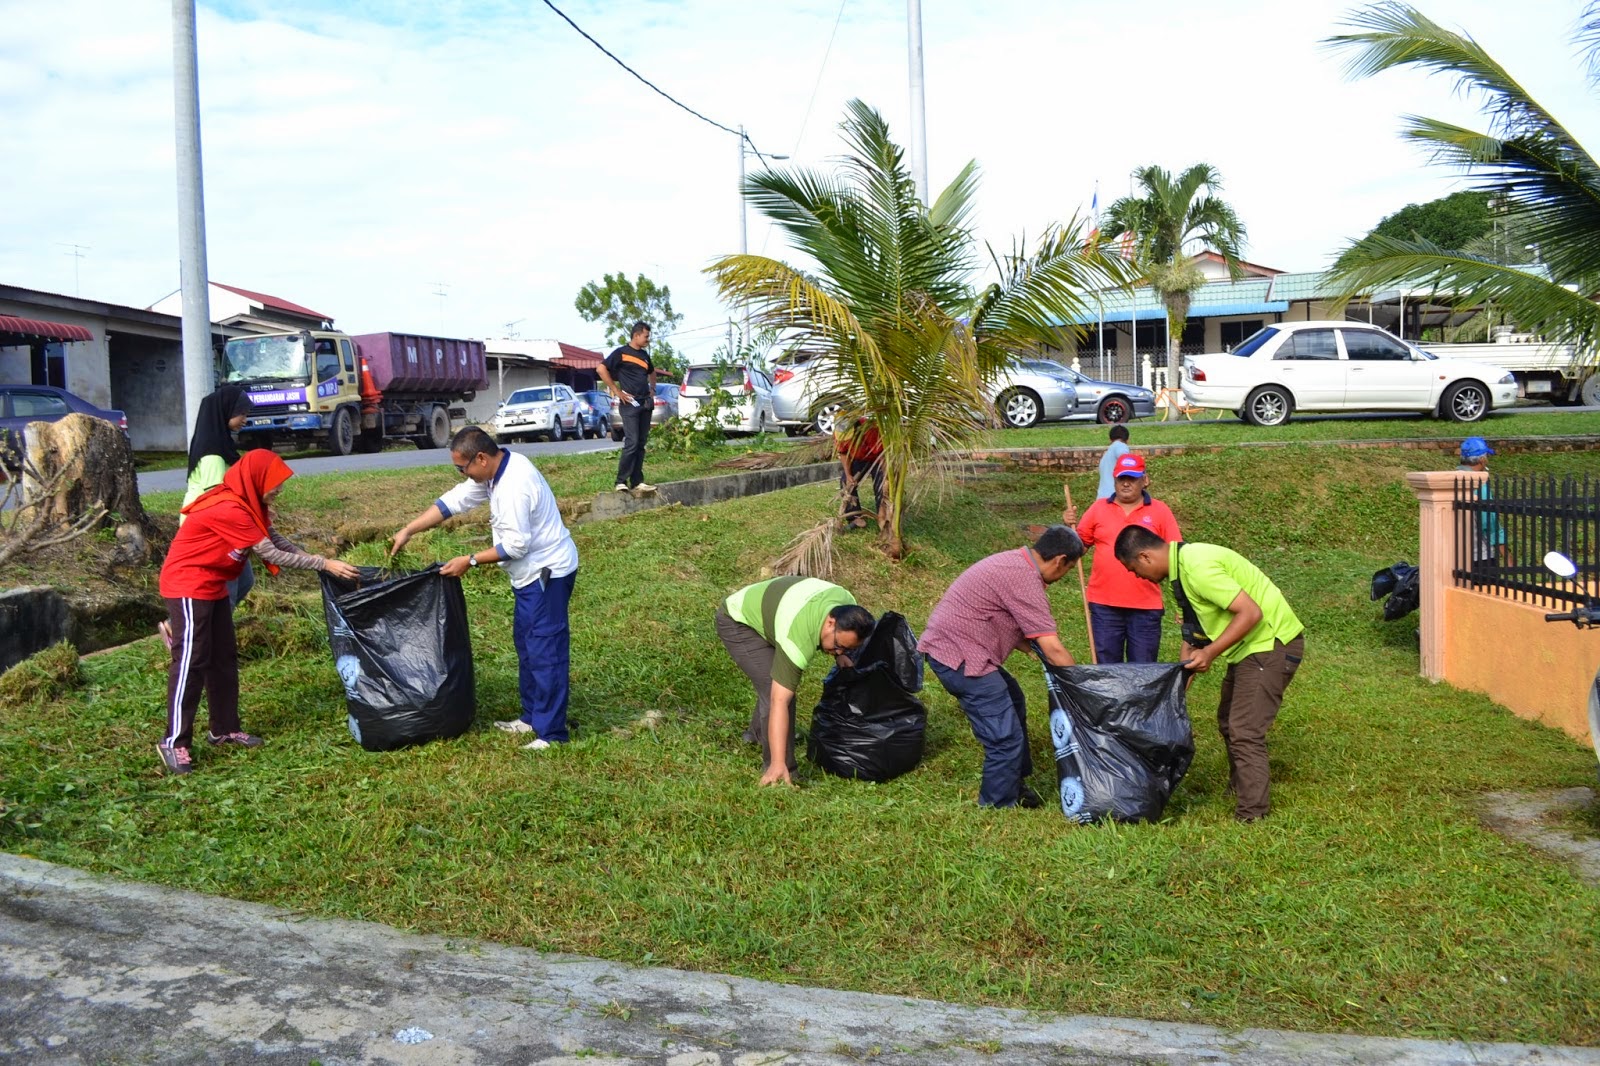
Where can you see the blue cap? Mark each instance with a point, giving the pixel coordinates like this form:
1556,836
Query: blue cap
1475,448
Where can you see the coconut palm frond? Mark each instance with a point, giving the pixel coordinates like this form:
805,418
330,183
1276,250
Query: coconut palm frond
1535,303
810,554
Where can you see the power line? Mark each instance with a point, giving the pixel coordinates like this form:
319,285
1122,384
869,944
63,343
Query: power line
826,52
653,86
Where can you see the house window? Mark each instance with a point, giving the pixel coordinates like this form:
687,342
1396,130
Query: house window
1234,333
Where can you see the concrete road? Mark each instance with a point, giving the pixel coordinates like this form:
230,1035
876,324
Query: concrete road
398,459
94,970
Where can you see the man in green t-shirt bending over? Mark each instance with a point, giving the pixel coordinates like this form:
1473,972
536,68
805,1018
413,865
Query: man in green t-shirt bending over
772,629
1244,621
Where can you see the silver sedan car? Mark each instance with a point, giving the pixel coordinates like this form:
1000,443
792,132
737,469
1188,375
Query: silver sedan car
1104,401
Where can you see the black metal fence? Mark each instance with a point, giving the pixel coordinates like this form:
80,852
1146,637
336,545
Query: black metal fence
1504,526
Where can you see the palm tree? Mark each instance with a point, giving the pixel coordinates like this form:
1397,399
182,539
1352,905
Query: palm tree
891,302
1170,216
1544,183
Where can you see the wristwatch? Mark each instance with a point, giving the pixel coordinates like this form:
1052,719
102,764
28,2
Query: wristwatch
472,560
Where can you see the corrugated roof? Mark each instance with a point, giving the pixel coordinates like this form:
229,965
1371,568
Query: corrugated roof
576,358
275,302
38,327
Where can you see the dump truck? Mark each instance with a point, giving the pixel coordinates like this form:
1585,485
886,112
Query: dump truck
352,393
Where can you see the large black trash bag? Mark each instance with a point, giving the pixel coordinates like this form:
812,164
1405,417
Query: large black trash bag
402,649
1122,739
868,723
1399,583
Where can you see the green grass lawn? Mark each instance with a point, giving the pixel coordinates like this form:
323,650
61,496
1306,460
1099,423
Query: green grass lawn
1370,901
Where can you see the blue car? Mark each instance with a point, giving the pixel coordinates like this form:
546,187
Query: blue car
21,404
1104,401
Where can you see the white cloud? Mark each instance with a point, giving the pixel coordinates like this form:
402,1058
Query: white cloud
358,153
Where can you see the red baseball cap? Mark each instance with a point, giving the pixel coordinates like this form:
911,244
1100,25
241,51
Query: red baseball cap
1129,465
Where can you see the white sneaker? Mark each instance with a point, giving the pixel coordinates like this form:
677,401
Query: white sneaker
516,725
537,744
620,487
645,486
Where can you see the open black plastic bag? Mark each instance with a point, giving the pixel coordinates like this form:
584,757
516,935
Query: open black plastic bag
868,723
1399,583
1122,739
402,649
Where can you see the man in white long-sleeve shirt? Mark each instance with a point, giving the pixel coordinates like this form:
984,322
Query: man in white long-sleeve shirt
535,550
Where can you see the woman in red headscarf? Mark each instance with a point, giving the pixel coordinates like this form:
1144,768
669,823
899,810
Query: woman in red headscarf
221,529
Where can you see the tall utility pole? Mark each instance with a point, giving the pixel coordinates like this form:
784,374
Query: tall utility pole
919,117
199,368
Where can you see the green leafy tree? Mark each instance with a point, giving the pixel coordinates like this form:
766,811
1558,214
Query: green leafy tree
1454,221
1545,185
1168,216
892,305
618,303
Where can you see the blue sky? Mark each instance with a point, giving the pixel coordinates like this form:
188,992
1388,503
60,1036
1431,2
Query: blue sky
360,154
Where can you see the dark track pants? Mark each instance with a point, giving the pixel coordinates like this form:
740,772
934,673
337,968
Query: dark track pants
995,706
544,654
1252,692
205,658
635,432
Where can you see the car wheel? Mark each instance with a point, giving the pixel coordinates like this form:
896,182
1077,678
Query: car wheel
1019,408
555,429
1269,405
1114,409
828,418
1465,401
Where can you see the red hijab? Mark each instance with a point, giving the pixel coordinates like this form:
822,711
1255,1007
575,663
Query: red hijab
247,483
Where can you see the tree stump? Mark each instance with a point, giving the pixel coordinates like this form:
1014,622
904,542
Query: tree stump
79,465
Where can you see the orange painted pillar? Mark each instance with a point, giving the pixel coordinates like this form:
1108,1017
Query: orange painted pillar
1436,527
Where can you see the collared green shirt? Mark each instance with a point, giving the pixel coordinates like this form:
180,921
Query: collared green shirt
1213,577
788,612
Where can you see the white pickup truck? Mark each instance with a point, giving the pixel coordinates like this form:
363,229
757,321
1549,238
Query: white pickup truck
1553,372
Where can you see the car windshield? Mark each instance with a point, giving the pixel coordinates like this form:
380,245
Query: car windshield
1249,345
264,359
530,396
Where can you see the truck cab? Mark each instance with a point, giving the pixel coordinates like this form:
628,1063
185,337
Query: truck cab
306,386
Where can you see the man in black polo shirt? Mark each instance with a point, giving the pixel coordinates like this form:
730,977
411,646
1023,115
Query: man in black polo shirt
630,377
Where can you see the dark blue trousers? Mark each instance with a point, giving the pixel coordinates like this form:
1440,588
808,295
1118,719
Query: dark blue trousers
995,706
1125,634
544,654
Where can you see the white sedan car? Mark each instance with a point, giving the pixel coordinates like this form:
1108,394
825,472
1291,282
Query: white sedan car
1340,366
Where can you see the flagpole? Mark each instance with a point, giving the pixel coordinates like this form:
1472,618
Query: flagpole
1099,297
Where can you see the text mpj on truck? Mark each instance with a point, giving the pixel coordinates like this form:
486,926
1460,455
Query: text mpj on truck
346,394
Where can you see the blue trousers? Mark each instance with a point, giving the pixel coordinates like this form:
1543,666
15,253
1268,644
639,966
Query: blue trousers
1125,634
544,654
995,706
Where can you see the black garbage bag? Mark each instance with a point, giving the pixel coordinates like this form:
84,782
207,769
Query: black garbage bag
1399,583
401,646
1122,739
868,723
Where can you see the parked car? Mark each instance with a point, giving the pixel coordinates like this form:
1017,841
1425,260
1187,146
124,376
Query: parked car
666,404
796,395
1033,391
749,409
597,411
549,411
1340,366
21,404
1104,401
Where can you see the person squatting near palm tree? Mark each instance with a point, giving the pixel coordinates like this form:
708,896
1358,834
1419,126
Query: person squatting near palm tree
533,547
860,452
222,527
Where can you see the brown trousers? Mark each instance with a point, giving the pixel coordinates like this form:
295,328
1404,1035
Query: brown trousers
752,654
205,656
1252,692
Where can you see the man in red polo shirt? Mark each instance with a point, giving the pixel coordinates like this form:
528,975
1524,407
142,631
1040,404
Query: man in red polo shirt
998,606
1124,610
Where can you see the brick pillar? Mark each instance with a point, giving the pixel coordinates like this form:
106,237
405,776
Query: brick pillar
1436,528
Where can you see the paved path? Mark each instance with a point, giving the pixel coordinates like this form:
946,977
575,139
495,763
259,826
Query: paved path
94,970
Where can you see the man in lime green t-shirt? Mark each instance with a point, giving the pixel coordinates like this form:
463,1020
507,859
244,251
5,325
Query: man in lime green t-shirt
1243,620
771,630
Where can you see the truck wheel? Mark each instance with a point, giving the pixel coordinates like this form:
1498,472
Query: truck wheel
1589,391
438,434
342,434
